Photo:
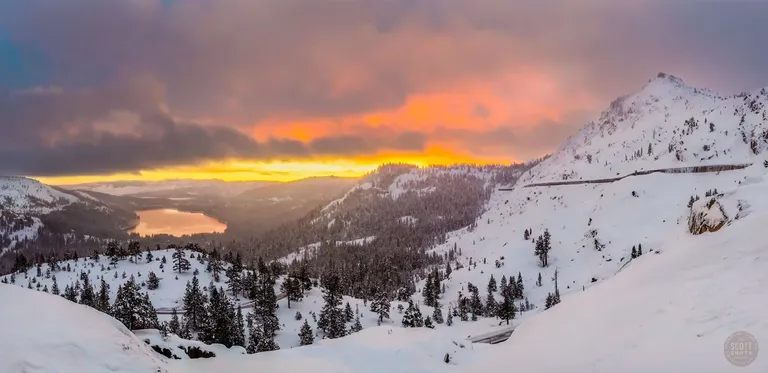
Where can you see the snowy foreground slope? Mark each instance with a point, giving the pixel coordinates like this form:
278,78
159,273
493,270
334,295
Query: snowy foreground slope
44,333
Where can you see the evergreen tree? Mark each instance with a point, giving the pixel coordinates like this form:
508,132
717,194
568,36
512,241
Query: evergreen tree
174,326
221,326
634,252
70,293
102,299
448,269
291,287
149,257
520,286
348,315
180,262
152,281
538,281
214,264
506,309
87,297
194,306
133,309
449,319
55,287
264,316
412,317
490,304
235,276
305,334
639,250
239,339
357,326
475,304
428,322
332,316
437,315
503,284
492,285
381,307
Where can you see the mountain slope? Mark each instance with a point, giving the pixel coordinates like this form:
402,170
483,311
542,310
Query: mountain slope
43,333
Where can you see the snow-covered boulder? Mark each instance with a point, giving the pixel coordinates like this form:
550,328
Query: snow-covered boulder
707,215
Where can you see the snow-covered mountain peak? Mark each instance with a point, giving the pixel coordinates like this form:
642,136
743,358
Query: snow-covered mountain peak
666,124
21,194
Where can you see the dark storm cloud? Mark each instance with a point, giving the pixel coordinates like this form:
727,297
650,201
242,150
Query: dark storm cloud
53,132
244,61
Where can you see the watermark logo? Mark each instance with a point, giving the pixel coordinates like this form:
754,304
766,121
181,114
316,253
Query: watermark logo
740,348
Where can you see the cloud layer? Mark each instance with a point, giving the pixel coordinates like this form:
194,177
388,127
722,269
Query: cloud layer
145,85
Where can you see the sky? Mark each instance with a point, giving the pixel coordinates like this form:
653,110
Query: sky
99,90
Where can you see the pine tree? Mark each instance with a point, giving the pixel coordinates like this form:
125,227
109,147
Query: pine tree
265,321
492,285
639,250
449,319
520,286
412,317
194,306
348,314
538,281
428,323
475,304
490,304
506,309
152,281
149,257
180,262
55,287
332,316
239,338
634,252
70,293
174,326
235,277
305,334
291,287
448,269
87,297
102,299
381,307
357,326
437,315
503,284
133,309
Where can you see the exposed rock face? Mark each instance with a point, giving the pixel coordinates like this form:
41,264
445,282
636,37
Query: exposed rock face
707,215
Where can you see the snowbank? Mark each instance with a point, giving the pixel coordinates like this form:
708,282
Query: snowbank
48,334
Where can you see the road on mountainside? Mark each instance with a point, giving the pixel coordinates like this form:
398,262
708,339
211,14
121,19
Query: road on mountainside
181,311
494,337
675,170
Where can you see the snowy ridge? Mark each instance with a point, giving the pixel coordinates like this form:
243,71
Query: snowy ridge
667,124
24,195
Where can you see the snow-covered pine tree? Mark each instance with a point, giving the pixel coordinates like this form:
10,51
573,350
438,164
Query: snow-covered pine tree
152,281
357,326
428,322
348,315
306,337
174,326
381,307
437,315
133,309
55,287
449,318
332,316
180,262
194,306
239,332
87,297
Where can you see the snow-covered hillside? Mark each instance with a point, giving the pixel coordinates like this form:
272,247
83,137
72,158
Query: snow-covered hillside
43,333
666,124
23,195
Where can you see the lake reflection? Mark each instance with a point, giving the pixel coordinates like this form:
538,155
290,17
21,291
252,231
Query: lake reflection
175,222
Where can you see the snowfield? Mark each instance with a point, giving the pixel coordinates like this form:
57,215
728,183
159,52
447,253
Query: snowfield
23,195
